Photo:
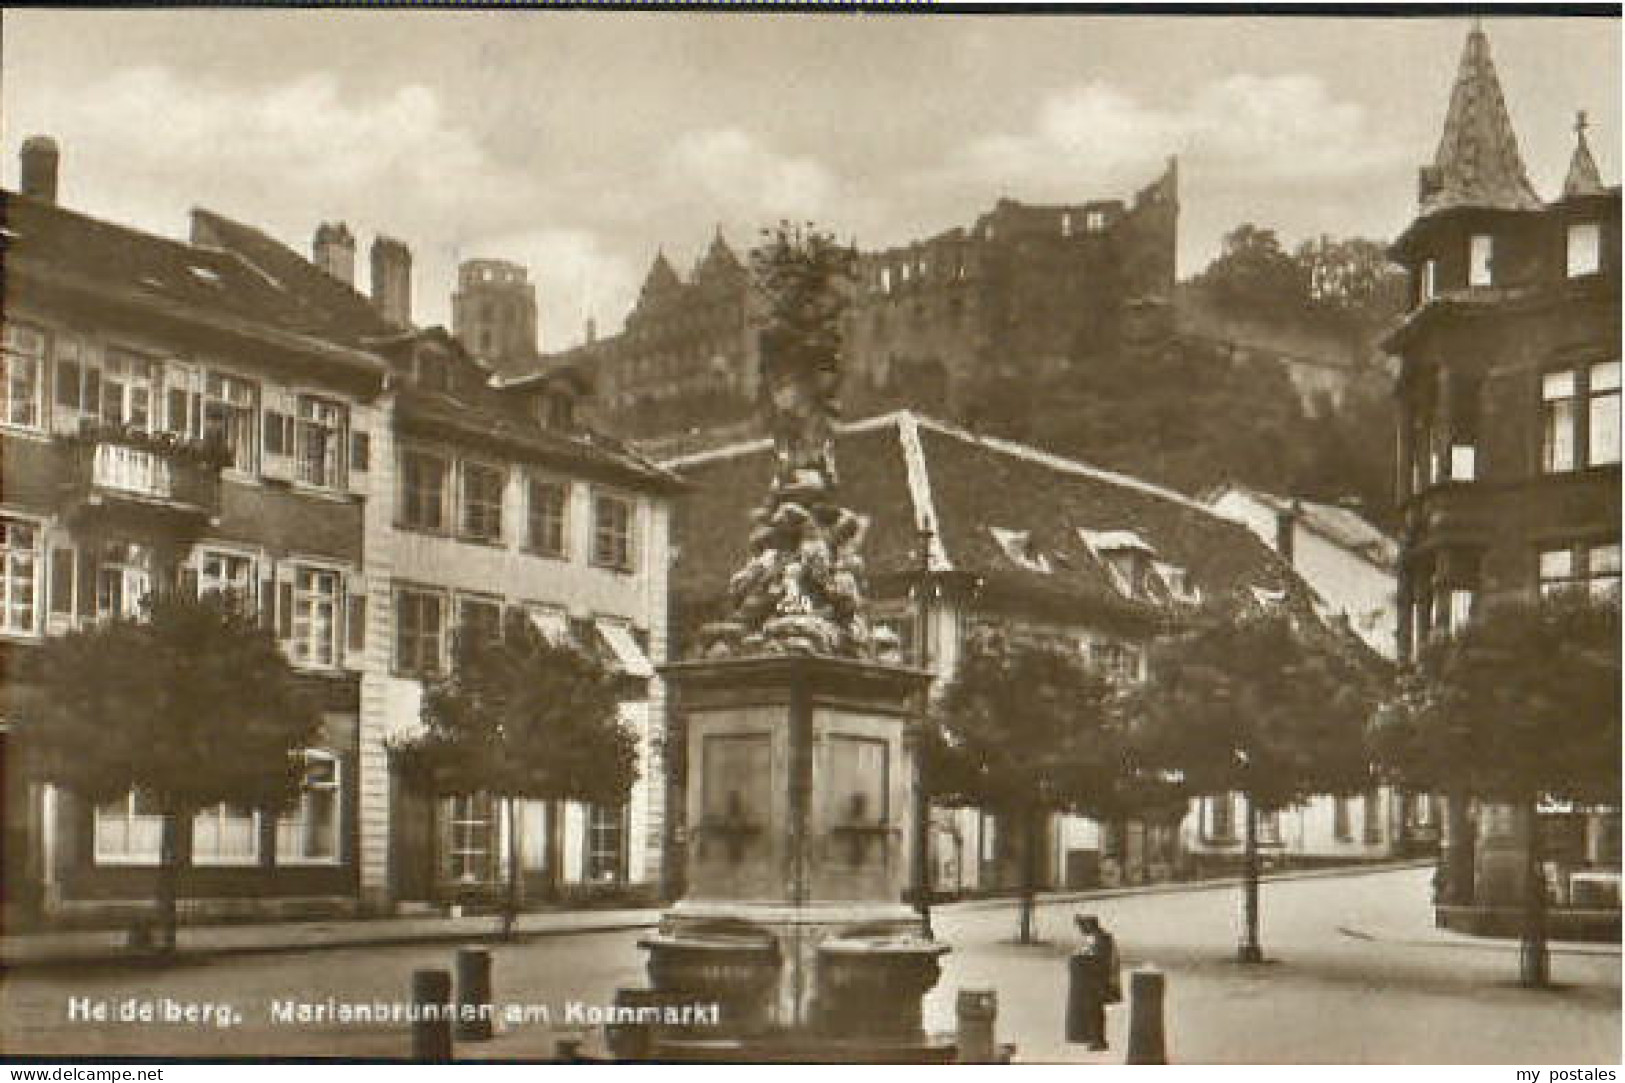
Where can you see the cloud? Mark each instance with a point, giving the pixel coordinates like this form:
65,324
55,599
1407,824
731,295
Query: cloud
1242,129
730,170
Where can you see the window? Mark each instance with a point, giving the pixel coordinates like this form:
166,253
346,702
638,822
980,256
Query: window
78,382
319,441
418,616
548,501
1221,817
469,817
1594,568
481,617
19,577
1372,816
605,830
309,831
903,626
1093,221
1558,424
612,532
1269,827
1341,829
314,641
482,502
23,356
127,390
229,417
227,834
1584,249
128,831
1566,429
1461,610
1480,260
123,578
1118,661
1602,421
423,490
1066,224
229,574
1428,288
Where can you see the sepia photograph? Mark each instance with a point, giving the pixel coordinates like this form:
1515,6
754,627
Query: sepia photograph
869,534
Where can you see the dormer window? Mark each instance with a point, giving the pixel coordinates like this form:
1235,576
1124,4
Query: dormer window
1178,583
1480,260
1125,554
1018,546
1584,249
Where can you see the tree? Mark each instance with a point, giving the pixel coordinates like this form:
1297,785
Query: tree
191,704
520,716
1265,704
1522,704
1027,729
1352,281
1254,273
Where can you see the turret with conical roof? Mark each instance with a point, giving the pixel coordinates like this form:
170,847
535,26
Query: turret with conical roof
1583,178
1477,163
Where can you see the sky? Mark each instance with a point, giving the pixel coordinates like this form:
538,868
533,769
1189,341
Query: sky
580,143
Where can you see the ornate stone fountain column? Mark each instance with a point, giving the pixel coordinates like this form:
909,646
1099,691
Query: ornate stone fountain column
798,772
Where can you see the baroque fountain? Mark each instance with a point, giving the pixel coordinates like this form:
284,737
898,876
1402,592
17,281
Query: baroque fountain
797,733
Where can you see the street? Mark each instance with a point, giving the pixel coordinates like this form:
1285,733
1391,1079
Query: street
1357,976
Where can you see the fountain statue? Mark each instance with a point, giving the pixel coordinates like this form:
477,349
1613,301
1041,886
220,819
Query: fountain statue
796,727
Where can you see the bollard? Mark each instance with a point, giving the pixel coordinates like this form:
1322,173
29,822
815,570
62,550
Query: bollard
431,1029
633,1041
1146,1044
977,1009
474,1009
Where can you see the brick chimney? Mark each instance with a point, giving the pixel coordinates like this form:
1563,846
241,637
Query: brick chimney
392,280
1286,522
333,250
39,161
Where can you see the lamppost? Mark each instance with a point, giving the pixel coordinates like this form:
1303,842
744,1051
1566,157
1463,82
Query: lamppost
922,797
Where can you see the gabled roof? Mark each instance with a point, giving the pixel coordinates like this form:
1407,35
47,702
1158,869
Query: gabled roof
904,471
333,308
718,263
243,289
661,281
1340,526
1477,163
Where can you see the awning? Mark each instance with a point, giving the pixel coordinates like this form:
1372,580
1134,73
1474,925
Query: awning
630,656
552,623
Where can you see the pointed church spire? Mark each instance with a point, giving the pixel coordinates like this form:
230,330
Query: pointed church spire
1583,178
1477,163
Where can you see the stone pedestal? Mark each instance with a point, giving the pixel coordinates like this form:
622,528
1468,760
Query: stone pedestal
799,806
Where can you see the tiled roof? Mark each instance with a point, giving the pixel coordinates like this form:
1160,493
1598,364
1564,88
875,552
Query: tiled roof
1340,526
211,284
1477,163
969,485
488,418
333,308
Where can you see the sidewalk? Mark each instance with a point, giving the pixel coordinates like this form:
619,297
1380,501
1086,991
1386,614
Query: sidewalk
108,945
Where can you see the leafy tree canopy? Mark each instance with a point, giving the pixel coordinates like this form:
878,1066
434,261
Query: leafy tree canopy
193,702
521,715
1026,723
1263,704
1523,702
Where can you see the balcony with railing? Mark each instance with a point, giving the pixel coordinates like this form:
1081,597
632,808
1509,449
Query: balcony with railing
118,470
